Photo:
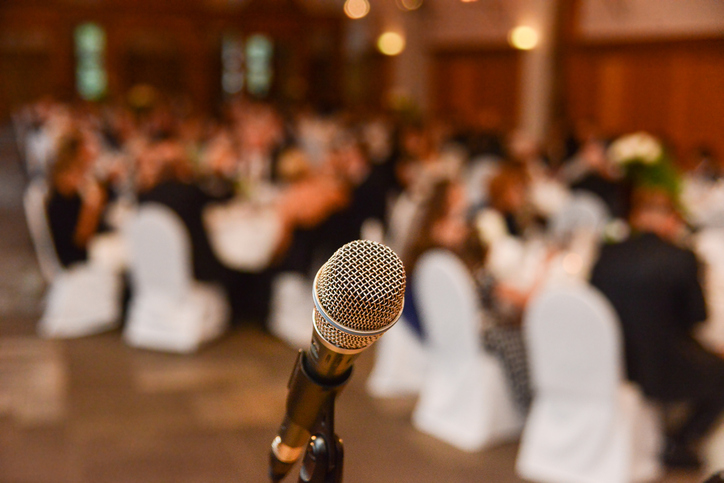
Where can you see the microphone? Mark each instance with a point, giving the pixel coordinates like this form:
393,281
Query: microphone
358,295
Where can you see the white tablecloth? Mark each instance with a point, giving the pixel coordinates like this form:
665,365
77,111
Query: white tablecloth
108,250
244,235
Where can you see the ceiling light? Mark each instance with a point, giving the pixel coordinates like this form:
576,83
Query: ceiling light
391,43
409,4
523,37
356,8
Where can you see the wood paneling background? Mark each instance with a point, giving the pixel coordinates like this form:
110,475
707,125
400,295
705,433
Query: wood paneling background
477,85
673,89
173,44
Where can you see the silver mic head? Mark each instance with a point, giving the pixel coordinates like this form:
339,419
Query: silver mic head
358,294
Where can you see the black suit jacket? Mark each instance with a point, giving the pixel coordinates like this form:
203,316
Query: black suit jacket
654,287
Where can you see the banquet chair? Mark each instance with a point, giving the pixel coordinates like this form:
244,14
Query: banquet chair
403,216
709,247
34,203
464,400
83,299
586,425
169,310
400,358
400,363
291,307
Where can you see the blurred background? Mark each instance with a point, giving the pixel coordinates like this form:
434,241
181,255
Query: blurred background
174,172
624,65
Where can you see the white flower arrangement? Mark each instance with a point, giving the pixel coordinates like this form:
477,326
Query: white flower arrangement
637,147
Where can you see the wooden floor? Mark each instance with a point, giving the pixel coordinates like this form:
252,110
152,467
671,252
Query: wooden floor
93,410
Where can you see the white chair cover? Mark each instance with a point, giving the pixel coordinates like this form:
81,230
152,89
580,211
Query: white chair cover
404,212
82,300
714,451
585,424
169,310
34,201
464,400
709,246
290,315
400,363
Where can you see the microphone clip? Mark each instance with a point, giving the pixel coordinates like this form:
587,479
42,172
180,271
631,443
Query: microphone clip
324,457
310,408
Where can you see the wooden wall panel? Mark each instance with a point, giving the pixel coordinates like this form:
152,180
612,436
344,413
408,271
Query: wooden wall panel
472,85
704,102
672,89
173,44
24,77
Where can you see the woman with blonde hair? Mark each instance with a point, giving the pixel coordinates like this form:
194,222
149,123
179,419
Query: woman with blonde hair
76,200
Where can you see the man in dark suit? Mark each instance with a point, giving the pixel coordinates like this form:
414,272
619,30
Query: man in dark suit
654,286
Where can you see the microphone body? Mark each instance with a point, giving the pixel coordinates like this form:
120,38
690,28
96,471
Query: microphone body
308,394
358,295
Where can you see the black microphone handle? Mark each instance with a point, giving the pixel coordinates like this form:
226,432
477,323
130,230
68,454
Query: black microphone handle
358,294
327,363
309,391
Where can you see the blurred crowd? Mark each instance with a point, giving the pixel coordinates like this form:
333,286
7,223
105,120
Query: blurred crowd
519,216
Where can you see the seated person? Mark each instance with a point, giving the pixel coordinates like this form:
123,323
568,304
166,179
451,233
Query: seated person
307,202
442,224
164,177
654,286
603,179
508,193
76,201
514,269
367,194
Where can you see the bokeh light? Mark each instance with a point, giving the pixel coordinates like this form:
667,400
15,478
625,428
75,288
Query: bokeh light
391,43
356,8
409,4
523,37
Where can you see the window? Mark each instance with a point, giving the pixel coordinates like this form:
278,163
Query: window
232,64
246,65
90,75
259,52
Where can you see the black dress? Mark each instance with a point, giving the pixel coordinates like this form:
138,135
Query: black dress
63,214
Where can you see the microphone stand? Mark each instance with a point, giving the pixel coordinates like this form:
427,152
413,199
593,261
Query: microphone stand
323,459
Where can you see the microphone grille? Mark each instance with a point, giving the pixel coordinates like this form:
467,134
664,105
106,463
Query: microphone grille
360,288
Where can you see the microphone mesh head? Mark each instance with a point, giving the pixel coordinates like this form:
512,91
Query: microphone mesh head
361,288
